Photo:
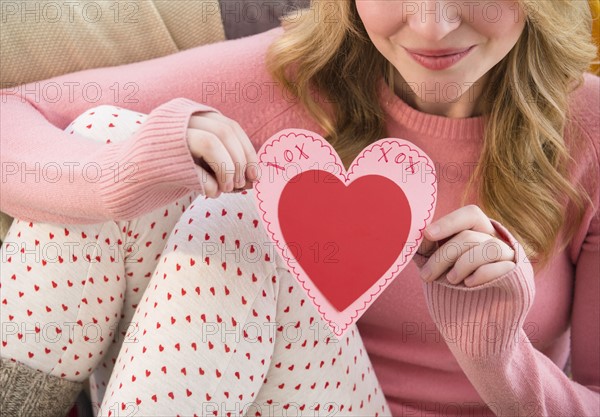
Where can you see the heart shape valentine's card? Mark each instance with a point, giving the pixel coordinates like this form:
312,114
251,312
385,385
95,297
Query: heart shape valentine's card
345,235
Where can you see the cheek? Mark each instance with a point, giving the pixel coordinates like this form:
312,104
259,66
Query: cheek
380,17
501,21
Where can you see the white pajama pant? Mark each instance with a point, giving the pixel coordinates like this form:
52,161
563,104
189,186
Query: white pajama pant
187,310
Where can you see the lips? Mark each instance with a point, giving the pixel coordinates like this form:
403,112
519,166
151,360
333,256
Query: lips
438,52
441,60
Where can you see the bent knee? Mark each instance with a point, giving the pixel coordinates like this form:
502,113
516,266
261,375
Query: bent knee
107,123
225,234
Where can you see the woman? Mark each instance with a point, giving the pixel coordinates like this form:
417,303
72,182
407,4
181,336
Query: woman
504,118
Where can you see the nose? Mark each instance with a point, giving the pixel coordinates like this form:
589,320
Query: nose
432,20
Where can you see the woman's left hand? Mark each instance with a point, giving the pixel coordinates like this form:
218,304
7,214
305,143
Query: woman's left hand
470,249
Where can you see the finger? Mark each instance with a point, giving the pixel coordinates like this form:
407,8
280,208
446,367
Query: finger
427,247
207,146
444,258
490,251
245,153
249,151
489,272
220,126
249,185
209,184
469,217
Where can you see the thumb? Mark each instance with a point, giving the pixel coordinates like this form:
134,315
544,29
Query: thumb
427,247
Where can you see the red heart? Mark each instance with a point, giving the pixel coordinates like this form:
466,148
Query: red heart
357,232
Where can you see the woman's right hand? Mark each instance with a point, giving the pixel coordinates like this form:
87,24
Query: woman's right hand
225,157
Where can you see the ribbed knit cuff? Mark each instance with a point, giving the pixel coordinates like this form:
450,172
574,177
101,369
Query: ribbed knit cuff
485,320
26,392
156,167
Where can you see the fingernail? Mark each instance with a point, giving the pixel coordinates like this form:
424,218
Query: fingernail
425,272
433,229
253,172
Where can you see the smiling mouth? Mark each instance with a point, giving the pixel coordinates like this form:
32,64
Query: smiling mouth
438,53
438,62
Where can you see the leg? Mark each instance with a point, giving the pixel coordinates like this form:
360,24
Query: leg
54,326
146,237
224,329
65,289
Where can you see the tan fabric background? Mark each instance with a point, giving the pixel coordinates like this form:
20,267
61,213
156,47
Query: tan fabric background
39,40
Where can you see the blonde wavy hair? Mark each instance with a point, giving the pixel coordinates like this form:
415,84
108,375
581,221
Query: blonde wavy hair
328,49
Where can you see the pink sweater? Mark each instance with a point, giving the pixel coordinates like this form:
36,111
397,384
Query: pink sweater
437,349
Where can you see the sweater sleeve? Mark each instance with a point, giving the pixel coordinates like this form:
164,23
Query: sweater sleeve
483,327
52,176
